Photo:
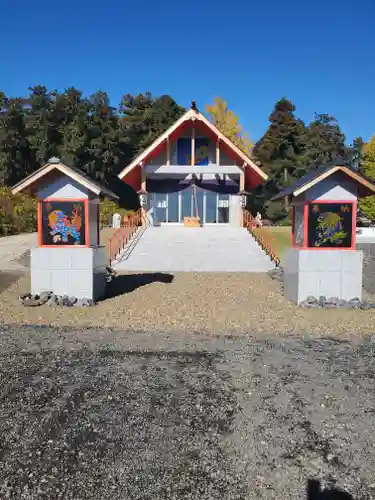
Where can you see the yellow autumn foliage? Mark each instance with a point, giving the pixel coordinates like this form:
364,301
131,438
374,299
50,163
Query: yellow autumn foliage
228,123
367,205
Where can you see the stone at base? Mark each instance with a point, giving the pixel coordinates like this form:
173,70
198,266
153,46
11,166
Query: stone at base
329,273
73,272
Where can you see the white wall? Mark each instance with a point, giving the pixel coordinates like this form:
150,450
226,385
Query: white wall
235,211
365,234
335,187
63,187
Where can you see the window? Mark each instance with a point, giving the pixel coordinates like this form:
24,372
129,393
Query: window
223,208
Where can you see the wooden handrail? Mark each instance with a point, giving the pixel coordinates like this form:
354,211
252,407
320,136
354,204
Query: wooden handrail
123,235
264,238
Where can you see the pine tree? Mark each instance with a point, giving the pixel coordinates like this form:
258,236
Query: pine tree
101,148
281,154
69,114
40,128
144,119
357,148
325,142
14,146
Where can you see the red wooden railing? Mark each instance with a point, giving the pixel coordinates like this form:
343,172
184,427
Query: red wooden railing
264,238
123,235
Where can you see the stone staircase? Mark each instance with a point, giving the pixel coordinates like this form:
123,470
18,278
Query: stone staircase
204,249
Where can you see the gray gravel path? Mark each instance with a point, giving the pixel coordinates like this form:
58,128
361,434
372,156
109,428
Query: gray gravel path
94,414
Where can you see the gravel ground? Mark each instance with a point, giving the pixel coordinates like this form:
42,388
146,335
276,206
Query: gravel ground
7,278
94,414
201,302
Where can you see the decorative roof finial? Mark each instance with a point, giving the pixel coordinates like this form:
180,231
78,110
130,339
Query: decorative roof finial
54,160
193,106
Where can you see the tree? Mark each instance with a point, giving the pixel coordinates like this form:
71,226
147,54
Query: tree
367,205
144,119
228,123
40,129
325,142
14,146
281,154
101,152
357,148
69,114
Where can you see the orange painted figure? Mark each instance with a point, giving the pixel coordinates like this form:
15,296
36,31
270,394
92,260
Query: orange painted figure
62,226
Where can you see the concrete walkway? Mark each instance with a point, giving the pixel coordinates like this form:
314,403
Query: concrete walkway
208,249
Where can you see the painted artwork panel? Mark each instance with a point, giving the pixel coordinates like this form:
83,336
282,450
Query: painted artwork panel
63,223
184,151
330,225
201,151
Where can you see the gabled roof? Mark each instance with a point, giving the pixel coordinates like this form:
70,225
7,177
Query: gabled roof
193,114
54,164
316,175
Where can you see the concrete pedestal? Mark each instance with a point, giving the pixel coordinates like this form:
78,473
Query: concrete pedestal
77,272
331,273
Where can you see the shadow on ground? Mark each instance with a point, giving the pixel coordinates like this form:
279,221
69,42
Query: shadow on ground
126,283
315,492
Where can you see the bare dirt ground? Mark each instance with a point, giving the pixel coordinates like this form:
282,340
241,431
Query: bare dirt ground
186,386
199,302
93,413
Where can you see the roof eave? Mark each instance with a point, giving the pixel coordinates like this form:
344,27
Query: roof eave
198,116
64,169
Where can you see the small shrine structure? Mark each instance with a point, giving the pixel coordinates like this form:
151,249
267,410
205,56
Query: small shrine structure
69,259
323,260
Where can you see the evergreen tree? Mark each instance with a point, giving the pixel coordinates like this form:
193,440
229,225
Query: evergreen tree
144,119
101,151
40,128
325,142
281,154
357,148
70,112
14,146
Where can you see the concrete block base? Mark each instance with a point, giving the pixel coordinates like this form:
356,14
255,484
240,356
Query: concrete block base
77,272
329,273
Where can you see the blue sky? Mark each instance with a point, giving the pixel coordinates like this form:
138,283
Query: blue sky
320,54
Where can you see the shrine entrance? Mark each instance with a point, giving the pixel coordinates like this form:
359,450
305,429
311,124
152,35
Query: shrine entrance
172,208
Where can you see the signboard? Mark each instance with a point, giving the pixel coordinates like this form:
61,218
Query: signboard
330,225
63,223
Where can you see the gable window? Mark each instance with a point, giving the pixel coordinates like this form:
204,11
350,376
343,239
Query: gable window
184,151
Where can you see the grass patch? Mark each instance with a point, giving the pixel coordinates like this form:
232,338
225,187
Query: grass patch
283,236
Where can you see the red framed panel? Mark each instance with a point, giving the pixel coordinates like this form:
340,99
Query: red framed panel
293,221
295,231
305,224
54,222
98,224
353,205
